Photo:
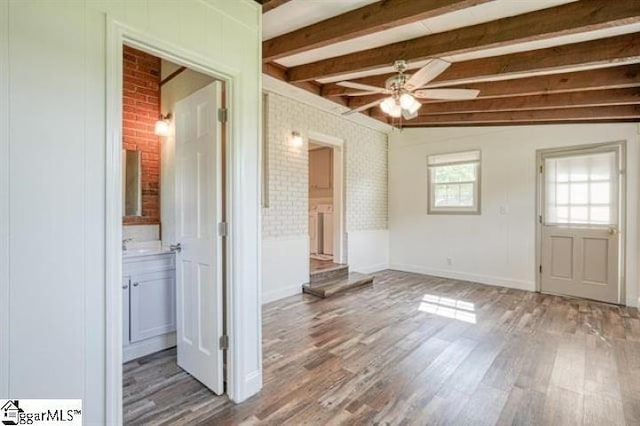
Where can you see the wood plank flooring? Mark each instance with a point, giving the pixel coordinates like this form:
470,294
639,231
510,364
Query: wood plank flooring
414,349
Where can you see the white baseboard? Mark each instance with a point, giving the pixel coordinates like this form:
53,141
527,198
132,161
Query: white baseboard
370,268
148,346
281,293
465,276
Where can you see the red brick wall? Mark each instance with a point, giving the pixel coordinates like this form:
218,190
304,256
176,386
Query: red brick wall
140,111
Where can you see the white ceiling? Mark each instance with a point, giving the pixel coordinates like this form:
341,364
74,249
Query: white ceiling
300,13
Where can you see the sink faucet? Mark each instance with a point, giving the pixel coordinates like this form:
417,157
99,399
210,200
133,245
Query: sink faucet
124,243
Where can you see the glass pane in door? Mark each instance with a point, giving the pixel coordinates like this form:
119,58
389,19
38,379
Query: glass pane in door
582,189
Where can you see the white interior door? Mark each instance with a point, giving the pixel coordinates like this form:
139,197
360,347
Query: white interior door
198,213
580,224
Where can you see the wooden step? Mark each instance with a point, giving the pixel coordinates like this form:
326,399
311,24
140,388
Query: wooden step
334,286
334,272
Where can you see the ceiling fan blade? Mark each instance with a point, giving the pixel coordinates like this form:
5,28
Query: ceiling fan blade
434,68
362,108
450,94
359,86
362,93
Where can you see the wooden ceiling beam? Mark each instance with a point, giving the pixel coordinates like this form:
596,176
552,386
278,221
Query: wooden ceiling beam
592,98
571,18
369,19
598,79
268,5
619,50
280,72
610,113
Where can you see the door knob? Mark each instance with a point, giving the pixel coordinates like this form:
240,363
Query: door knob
613,231
136,284
124,287
176,247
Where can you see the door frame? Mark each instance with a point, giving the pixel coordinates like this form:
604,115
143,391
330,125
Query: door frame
338,193
621,147
118,35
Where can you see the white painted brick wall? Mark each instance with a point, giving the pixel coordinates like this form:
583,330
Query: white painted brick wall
365,169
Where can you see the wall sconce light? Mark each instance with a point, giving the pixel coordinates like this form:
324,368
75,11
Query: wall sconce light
162,125
296,139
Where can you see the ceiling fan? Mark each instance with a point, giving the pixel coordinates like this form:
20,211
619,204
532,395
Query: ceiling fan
403,89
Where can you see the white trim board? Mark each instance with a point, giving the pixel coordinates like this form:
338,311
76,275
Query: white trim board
5,173
465,276
280,87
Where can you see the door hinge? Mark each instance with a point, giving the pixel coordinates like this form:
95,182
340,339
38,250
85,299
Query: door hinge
540,268
223,115
223,229
540,219
541,168
224,342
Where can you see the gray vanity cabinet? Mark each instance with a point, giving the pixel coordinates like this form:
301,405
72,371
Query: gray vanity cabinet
152,301
148,304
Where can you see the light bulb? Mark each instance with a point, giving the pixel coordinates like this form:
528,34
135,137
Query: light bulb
415,107
296,139
406,100
387,105
396,111
162,128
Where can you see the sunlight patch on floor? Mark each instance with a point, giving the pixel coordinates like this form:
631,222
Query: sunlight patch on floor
449,308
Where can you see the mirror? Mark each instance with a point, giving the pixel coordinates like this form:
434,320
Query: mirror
131,187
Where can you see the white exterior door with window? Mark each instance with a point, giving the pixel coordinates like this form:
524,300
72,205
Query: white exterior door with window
580,223
198,212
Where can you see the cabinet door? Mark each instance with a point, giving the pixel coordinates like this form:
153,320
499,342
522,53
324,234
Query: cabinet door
126,281
324,172
153,305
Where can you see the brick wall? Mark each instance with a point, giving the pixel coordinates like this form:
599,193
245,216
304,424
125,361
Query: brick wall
140,111
365,169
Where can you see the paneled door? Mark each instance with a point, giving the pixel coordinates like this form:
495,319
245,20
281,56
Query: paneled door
580,223
198,213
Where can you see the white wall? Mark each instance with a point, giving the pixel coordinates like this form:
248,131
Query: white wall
490,248
52,210
285,227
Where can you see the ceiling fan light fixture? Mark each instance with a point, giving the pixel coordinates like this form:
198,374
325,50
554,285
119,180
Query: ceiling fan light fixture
415,107
407,101
387,105
396,111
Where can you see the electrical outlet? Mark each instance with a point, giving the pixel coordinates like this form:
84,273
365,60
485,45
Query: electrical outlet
449,261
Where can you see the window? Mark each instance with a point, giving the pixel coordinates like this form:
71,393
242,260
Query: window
454,183
582,189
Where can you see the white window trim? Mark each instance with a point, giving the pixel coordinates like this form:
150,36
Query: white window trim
476,209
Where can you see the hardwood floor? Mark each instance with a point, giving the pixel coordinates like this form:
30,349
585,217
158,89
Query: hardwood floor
414,349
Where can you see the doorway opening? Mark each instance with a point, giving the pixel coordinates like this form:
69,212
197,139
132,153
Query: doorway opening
581,228
173,260
326,235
